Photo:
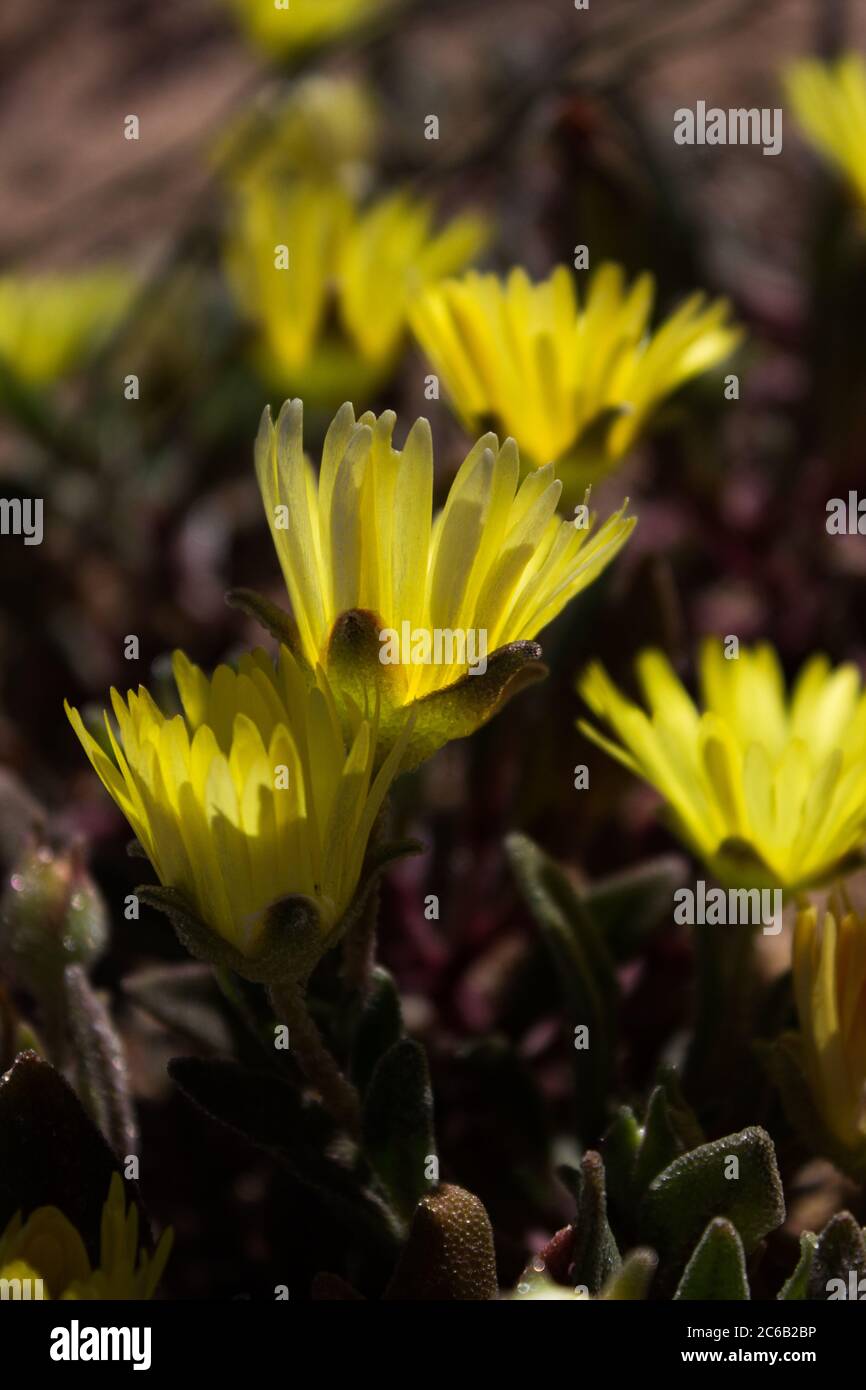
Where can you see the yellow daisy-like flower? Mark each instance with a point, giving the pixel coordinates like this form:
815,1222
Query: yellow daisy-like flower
829,967
441,594
548,371
768,789
249,795
47,1252
49,322
302,253
288,27
829,100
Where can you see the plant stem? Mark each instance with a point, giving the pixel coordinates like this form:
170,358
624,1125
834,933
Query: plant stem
338,1095
359,947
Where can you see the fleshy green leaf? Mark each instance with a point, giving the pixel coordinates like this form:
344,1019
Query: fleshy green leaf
449,1253
700,1185
379,1024
398,1124
627,907
103,1075
584,967
632,1282
796,1287
717,1269
840,1255
595,1257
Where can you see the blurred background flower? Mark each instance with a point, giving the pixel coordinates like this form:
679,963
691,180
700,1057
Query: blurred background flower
766,788
551,373
328,283
285,27
829,100
829,966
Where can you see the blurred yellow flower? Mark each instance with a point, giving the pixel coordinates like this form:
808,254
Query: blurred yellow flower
829,967
47,1250
495,566
286,27
249,796
49,322
325,130
302,251
768,789
829,100
529,358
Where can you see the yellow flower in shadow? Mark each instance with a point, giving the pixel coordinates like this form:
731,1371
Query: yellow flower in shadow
47,1251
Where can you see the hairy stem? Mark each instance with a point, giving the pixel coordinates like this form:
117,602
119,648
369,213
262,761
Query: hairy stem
338,1095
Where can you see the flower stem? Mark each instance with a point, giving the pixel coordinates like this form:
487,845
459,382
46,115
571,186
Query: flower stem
338,1095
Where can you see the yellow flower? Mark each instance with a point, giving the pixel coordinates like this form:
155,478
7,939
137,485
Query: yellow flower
359,267
829,968
490,571
767,789
547,371
287,27
829,100
249,796
325,130
47,1248
49,322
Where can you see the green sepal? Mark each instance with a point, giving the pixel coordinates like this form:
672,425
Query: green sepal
364,683
290,945
717,1269
293,938
796,1286
397,1125
449,1253
693,1189
272,618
